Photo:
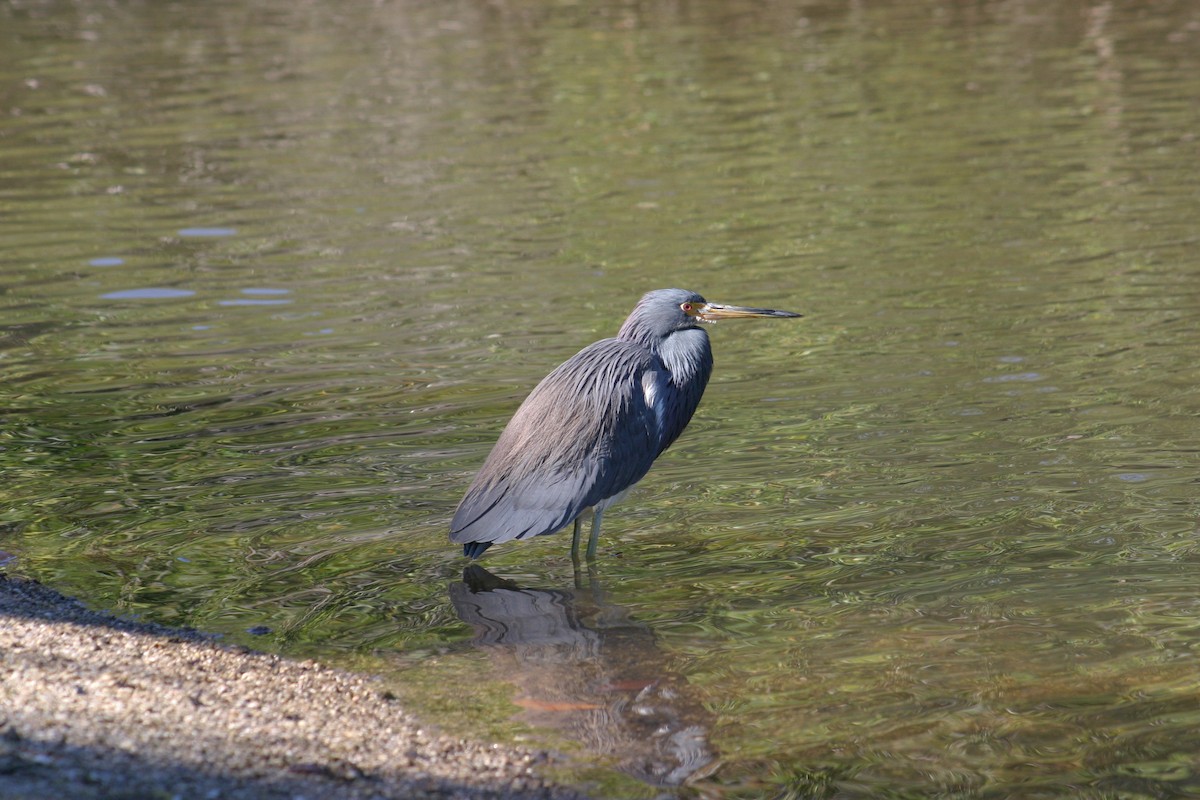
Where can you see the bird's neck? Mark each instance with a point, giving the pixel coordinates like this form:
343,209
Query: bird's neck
688,358
687,355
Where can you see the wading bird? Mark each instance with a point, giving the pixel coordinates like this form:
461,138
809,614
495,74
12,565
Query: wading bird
592,428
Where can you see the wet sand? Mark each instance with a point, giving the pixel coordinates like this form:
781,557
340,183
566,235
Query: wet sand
96,707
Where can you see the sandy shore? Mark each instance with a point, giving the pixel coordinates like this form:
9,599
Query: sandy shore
96,707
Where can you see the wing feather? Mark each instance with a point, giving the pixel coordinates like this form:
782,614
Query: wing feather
587,432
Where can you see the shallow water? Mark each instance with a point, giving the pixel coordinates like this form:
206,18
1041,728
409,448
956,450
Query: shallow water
274,278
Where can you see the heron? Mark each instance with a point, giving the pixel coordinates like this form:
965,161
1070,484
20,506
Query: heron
593,427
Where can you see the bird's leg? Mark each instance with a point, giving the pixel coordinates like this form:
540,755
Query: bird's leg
575,541
595,588
595,537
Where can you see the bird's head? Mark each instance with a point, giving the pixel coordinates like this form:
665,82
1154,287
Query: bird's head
664,311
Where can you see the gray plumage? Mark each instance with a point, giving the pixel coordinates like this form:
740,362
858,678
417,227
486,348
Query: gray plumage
593,427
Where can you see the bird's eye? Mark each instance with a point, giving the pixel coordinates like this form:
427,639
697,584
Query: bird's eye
687,308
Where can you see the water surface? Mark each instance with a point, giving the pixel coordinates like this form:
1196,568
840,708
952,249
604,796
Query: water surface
275,276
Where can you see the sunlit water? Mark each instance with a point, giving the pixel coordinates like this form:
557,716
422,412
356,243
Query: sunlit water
274,277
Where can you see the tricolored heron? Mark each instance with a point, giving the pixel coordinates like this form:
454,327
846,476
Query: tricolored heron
592,428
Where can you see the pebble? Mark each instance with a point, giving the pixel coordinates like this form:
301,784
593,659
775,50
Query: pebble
94,706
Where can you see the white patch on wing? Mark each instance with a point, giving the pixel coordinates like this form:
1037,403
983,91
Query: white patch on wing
652,390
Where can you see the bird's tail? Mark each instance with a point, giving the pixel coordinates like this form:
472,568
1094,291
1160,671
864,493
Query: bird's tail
475,549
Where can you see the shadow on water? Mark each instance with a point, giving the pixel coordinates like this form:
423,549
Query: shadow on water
583,667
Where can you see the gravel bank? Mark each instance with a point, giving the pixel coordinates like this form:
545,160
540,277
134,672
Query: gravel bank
95,707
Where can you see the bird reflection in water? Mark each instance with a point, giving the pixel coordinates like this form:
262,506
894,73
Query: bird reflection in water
583,667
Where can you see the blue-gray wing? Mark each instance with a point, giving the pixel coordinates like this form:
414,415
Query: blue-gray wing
590,430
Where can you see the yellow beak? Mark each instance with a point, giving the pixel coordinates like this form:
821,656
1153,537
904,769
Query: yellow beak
711,312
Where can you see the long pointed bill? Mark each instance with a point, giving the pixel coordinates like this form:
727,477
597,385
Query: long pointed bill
711,312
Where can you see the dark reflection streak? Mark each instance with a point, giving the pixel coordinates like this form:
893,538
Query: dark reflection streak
583,667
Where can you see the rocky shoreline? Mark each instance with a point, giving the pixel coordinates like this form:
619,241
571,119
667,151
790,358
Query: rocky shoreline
97,707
